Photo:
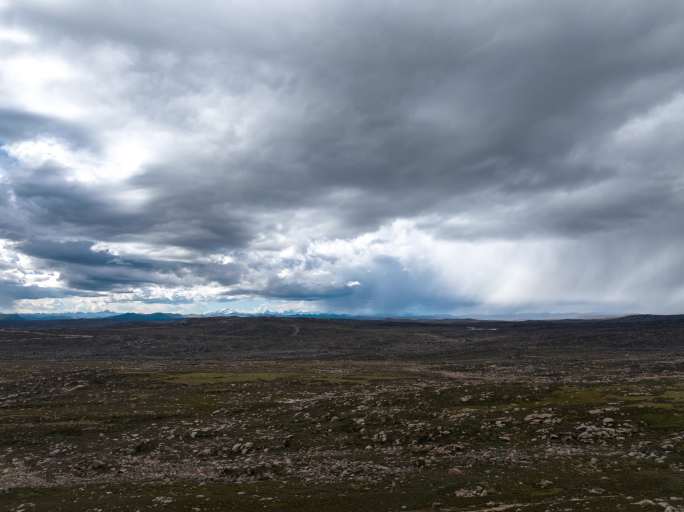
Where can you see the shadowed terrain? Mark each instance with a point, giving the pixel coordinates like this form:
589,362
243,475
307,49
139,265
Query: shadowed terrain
277,414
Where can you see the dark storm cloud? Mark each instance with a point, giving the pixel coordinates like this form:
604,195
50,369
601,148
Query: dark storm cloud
299,121
48,202
83,267
79,252
405,106
11,291
20,124
411,109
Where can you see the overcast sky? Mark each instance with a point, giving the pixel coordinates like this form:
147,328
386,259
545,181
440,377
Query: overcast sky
376,157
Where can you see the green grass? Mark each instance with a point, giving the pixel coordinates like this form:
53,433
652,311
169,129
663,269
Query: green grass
662,420
577,396
675,395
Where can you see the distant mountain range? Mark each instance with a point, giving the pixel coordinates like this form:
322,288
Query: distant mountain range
110,317
104,315
59,316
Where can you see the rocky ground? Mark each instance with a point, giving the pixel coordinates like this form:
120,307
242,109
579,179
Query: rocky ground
535,418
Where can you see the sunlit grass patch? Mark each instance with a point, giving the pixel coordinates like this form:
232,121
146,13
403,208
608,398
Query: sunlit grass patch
663,420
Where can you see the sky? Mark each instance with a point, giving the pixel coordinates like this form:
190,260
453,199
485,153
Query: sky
379,157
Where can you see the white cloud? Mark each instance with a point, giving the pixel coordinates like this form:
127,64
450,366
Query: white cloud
15,36
119,162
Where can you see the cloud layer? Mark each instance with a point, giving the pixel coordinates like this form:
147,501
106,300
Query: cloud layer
387,157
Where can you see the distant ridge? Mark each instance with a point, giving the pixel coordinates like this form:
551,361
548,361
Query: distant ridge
108,317
647,318
112,317
149,317
57,316
11,318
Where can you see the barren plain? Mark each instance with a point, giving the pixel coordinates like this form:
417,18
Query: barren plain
297,414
